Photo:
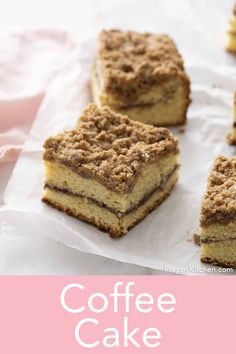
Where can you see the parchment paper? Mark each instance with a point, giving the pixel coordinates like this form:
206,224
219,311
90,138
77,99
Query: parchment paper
163,240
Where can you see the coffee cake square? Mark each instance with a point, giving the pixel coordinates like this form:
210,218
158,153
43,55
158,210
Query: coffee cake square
218,215
141,75
111,171
232,135
231,33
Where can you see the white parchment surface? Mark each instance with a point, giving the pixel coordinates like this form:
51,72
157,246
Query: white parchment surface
163,239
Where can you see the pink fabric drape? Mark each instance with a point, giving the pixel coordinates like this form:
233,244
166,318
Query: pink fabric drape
28,62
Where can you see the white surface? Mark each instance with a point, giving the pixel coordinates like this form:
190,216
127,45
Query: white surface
212,74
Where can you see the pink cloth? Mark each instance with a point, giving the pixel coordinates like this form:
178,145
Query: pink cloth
28,62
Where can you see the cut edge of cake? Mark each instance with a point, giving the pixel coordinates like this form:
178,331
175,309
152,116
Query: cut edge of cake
231,137
231,33
117,225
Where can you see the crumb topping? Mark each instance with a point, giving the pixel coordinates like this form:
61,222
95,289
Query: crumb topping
132,61
110,147
219,203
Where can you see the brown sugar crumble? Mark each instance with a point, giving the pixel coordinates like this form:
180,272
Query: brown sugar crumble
181,130
196,239
110,147
132,62
219,203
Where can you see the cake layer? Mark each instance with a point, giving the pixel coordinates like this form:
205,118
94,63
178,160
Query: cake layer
60,176
114,210
164,104
220,253
218,244
103,218
218,231
232,135
232,24
162,113
231,34
231,42
162,91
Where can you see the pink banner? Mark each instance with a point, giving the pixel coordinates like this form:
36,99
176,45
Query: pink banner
117,314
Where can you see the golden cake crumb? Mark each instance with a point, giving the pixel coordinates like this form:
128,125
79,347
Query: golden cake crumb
110,147
231,136
219,203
